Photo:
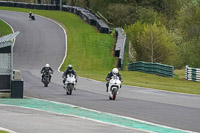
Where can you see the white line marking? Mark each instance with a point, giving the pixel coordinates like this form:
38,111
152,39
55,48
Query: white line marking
7,130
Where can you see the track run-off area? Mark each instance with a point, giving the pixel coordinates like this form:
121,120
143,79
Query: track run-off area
88,109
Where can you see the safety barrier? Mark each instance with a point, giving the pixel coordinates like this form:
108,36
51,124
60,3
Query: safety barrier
152,68
192,74
85,14
29,5
88,17
120,46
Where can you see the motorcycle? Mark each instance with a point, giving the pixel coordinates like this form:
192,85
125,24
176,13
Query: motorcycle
70,84
31,16
114,86
46,79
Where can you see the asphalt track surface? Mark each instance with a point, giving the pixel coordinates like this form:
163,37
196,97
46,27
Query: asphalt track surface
42,41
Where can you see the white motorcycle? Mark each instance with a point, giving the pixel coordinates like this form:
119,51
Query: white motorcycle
70,84
114,86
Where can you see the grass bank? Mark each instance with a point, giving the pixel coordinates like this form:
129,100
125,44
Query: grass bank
4,28
90,52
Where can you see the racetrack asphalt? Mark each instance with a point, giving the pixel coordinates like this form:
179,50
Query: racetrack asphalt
42,41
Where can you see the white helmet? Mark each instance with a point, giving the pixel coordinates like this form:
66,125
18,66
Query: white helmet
115,71
47,65
69,67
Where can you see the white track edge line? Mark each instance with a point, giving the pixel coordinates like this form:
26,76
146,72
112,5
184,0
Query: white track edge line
65,34
7,130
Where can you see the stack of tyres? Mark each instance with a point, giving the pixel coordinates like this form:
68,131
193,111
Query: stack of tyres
30,6
17,4
3,3
10,4
43,6
36,6
23,5
152,68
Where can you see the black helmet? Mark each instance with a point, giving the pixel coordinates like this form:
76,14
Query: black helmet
70,67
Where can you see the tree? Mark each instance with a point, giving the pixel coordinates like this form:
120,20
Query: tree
156,45
133,32
189,22
121,14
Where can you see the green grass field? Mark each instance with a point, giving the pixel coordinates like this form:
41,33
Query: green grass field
90,52
4,29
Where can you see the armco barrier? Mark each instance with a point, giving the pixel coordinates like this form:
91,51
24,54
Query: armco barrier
88,17
152,68
192,74
85,14
120,45
29,5
10,4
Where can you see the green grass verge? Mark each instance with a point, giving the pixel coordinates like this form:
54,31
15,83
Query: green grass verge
3,132
90,53
133,78
4,29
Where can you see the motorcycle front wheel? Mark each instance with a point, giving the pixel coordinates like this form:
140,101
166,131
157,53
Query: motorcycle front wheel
114,94
70,88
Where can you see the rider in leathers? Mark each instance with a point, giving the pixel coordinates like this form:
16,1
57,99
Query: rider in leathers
68,71
45,69
110,74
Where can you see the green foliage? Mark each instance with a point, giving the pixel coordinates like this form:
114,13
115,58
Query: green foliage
189,53
147,15
189,22
156,45
153,43
121,14
133,32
